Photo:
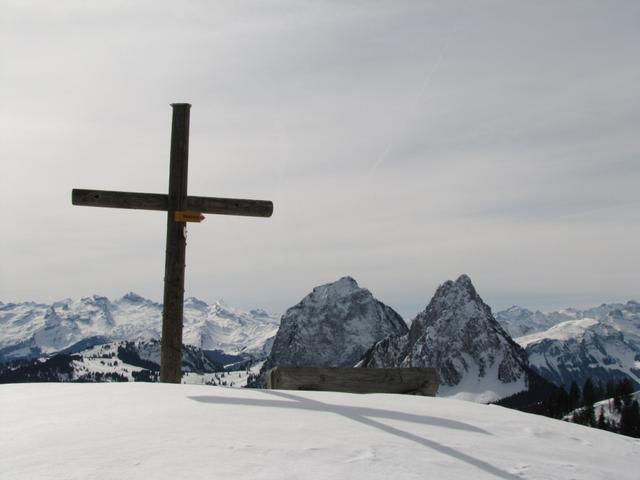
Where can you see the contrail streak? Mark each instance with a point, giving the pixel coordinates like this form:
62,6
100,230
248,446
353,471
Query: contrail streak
418,97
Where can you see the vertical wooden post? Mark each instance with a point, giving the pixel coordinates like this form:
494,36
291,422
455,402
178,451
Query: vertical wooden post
171,351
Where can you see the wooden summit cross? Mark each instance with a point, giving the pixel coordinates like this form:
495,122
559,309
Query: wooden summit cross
181,209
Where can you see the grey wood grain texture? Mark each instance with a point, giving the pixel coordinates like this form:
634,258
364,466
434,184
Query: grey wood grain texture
173,300
230,206
159,201
112,199
416,381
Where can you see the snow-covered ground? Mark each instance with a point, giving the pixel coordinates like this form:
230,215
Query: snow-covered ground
160,431
234,378
482,388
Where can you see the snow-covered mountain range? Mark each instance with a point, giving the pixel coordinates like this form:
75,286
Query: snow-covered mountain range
625,317
458,335
30,329
519,321
336,324
572,345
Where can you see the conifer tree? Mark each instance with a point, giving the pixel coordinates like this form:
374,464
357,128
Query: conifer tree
602,422
588,393
574,396
611,389
630,419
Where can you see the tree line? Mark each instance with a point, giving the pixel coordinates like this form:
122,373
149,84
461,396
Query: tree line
620,415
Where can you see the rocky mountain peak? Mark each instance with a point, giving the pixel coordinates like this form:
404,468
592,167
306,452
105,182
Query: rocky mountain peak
97,301
633,306
332,327
452,307
132,297
458,335
341,288
221,307
195,303
259,312
460,291
516,310
465,281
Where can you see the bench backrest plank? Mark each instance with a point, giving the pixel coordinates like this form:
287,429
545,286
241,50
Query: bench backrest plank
416,381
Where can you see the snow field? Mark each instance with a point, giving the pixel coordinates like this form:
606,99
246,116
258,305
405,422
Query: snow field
160,431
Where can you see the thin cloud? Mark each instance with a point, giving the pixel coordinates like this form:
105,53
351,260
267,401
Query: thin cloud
402,142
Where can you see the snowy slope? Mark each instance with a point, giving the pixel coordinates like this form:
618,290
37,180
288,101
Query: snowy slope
31,329
160,431
115,361
579,349
234,378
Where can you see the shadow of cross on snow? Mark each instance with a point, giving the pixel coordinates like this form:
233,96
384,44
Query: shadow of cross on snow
362,415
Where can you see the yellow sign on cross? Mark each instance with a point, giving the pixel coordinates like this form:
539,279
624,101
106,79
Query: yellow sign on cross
188,216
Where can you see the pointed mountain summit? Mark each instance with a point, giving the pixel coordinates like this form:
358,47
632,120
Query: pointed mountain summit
458,335
132,297
333,326
195,303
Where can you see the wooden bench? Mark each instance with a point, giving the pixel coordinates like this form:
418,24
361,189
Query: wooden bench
412,381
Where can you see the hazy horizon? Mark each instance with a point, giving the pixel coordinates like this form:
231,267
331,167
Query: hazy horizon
408,312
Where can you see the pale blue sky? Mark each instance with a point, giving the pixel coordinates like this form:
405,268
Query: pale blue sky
403,143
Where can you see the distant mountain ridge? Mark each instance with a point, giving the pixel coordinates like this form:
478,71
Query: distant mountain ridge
601,343
29,329
520,321
338,323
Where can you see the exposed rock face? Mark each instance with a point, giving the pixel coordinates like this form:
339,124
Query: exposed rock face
458,335
333,326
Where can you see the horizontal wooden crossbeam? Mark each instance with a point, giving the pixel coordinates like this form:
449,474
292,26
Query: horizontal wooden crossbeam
230,206
111,199
415,381
159,201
